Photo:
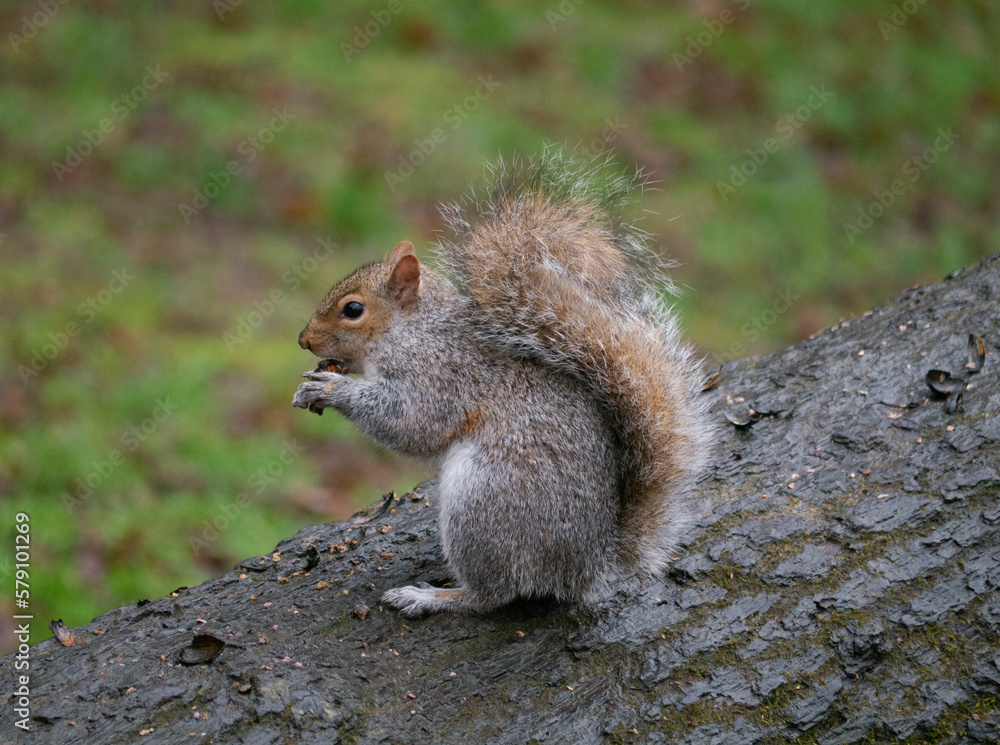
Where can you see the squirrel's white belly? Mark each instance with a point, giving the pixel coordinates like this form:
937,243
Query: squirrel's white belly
458,468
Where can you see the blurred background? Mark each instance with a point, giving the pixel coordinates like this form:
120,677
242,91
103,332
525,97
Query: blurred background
182,182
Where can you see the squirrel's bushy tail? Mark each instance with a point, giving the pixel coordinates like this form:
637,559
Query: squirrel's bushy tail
560,281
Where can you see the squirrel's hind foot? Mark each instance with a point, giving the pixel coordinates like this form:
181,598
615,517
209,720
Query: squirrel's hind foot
421,598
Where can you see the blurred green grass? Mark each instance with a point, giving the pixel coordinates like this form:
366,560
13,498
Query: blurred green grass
346,123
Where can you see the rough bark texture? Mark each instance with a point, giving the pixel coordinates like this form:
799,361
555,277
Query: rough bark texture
841,587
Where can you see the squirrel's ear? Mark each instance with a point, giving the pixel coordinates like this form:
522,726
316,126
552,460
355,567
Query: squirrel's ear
403,248
404,277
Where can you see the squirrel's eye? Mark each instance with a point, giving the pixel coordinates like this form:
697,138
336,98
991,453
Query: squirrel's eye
353,309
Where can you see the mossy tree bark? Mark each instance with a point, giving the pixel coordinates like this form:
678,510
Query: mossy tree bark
841,587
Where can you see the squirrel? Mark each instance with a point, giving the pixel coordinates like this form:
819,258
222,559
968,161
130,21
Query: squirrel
541,373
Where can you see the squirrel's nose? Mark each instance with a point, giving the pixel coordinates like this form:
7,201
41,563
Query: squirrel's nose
304,342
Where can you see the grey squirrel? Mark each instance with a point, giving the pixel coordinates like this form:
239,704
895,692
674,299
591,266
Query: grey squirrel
541,374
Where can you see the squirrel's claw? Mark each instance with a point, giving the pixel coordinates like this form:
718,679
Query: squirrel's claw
320,375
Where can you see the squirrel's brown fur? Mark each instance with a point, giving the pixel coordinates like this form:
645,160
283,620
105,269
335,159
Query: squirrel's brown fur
551,271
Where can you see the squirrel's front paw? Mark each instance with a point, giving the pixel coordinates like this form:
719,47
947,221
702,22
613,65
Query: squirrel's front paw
314,394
